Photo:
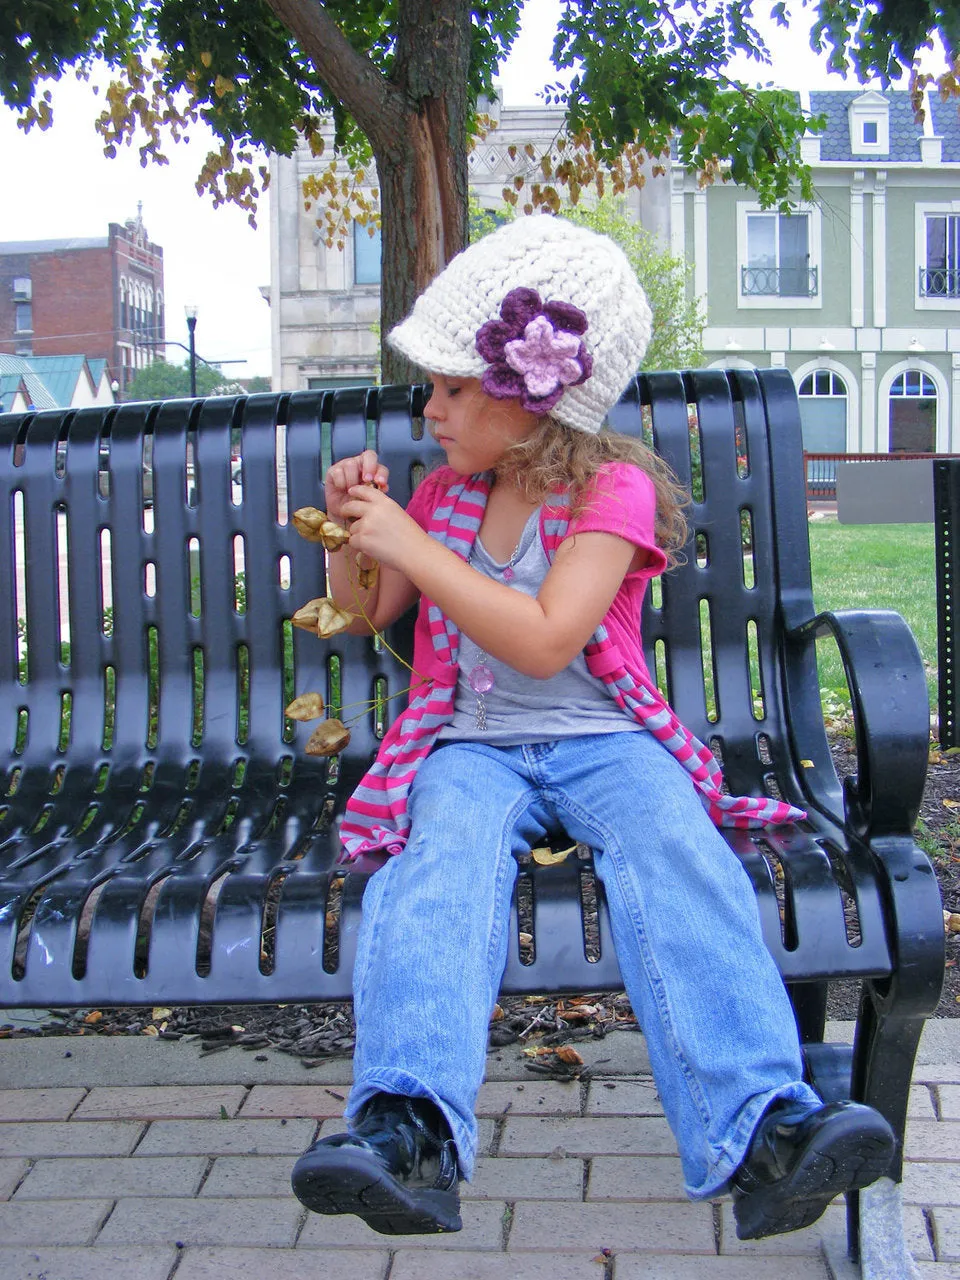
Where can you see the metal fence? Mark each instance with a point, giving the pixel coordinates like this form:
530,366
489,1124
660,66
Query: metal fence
821,469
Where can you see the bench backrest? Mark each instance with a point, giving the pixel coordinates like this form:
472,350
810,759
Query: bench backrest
158,814
165,643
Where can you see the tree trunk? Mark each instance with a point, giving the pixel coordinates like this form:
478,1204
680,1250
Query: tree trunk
416,122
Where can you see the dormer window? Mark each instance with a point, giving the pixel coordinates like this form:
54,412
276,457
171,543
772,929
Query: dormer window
869,117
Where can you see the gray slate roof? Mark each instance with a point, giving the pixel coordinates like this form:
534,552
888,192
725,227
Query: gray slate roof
905,132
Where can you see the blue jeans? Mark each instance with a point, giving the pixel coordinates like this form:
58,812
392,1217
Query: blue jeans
433,941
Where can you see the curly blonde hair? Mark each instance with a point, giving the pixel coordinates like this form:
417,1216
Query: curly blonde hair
554,457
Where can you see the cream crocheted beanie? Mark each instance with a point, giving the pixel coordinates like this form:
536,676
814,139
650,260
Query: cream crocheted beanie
541,310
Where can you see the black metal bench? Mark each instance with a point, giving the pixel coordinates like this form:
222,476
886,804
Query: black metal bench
163,837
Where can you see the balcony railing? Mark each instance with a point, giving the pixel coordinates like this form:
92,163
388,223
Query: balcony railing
779,282
939,282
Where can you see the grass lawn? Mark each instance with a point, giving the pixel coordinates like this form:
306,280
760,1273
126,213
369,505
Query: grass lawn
880,566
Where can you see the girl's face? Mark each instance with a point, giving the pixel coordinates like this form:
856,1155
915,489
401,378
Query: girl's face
474,429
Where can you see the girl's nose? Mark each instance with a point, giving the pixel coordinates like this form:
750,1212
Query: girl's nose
432,409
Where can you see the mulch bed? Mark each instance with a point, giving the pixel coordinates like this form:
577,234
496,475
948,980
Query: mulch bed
548,1028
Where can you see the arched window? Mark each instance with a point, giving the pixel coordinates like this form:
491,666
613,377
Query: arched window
823,412
124,317
913,413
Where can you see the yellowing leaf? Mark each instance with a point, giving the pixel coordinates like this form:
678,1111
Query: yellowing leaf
93,1017
547,857
328,739
160,1012
567,1053
807,764
206,58
309,706
951,804
497,1014
150,1031
951,921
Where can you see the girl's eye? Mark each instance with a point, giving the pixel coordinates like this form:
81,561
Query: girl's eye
453,391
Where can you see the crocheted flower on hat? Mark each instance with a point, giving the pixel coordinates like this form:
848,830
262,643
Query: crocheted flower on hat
534,350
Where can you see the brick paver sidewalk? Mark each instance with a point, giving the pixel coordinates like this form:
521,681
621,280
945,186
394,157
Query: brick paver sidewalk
577,1180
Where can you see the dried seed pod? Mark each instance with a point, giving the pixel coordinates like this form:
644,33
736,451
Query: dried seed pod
331,619
328,739
309,706
308,521
333,535
366,577
322,617
306,616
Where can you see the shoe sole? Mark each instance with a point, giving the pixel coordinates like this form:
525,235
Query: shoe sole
834,1163
343,1180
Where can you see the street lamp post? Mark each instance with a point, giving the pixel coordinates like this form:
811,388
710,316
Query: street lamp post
190,311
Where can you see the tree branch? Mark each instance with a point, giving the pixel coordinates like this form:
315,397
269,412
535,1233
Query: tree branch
378,108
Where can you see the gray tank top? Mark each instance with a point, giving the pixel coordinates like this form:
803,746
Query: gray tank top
521,709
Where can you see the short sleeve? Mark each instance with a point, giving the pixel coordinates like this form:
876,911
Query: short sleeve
622,500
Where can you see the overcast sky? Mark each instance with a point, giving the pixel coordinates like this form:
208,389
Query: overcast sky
58,184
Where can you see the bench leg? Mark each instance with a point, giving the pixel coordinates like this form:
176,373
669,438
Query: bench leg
884,1052
883,1247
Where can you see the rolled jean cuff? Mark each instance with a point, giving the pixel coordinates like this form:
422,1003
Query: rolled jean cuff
463,1130
729,1159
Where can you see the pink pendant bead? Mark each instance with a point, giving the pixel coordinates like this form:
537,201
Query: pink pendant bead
508,574
481,679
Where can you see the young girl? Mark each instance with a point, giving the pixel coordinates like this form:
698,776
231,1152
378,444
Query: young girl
530,552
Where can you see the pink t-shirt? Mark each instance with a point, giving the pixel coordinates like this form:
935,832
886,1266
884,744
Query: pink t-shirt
621,500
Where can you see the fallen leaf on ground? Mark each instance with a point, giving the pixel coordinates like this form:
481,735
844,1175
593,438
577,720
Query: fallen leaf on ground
951,921
567,1053
93,1016
547,857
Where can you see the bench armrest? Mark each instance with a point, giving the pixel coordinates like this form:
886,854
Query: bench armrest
891,716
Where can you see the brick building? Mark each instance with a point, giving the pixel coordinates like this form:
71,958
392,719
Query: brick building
102,298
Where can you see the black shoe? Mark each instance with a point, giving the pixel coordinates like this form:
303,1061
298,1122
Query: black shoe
797,1163
397,1170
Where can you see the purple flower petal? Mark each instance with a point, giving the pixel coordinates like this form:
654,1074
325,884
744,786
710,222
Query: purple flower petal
540,404
564,315
502,383
585,360
519,307
491,338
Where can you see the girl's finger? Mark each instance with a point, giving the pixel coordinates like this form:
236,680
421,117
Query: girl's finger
368,465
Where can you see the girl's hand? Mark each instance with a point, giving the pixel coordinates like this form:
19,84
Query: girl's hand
365,469
380,527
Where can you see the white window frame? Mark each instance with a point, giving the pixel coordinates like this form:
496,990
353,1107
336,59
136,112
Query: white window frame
870,108
769,302
948,208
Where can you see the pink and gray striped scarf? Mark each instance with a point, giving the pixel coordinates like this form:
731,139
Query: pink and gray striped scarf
376,816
